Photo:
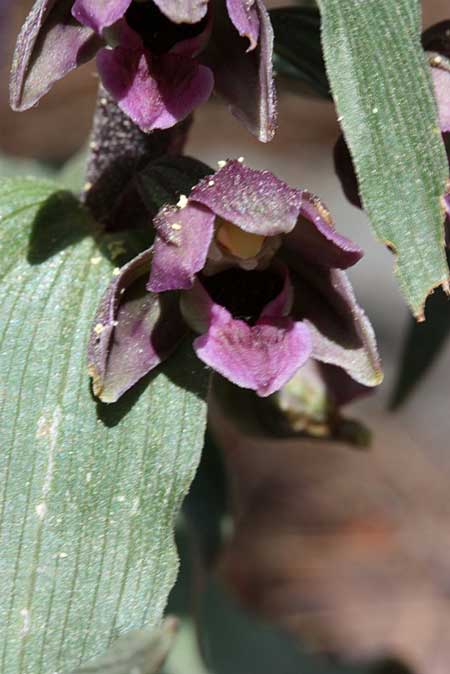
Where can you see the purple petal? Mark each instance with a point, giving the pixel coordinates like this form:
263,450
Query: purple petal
50,45
345,171
441,81
262,357
183,11
156,93
281,305
99,14
133,331
315,239
181,246
341,333
340,386
245,18
255,201
245,80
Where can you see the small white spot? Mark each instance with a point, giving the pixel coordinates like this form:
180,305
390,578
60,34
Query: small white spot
176,226
221,163
115,323
93,145
96,260
98,329
88,477
116,271
25,613
120,498
63,555
182,201
103,101
211,183
41,510
374,110
87,186
241,160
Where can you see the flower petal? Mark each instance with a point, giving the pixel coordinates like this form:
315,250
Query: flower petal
256,201
441,81
155,93
133,331
245,18
245,80
50,44
181,246
315,239
184,11
99,14
341,332
262,357
341,387
345,171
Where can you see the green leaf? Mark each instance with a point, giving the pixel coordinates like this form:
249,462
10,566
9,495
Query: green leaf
140,651
89,492
423,344
383,93
298,49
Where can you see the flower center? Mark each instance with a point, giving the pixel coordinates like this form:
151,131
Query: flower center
159,33
241,244
243,293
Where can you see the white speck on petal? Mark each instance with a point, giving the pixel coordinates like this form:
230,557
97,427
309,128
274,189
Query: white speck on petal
182,201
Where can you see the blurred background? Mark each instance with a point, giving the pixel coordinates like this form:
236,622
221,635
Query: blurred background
349,550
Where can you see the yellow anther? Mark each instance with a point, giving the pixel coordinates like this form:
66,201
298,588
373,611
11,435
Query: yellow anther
236,241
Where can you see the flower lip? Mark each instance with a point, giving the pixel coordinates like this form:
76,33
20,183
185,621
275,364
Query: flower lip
158,33
244,294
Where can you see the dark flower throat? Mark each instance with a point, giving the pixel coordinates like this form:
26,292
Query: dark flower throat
243,293
157,31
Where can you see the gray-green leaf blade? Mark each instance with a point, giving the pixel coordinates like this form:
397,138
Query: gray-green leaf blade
88,492
383,93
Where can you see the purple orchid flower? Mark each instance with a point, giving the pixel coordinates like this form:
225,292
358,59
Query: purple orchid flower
255,268
159,59
437,44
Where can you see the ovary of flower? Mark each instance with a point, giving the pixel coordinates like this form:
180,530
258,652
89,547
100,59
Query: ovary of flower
236,241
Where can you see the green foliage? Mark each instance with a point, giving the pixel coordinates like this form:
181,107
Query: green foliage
383,93
89,492
423,344
297,47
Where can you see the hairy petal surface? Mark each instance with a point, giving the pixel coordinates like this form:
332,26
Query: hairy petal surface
316,240
245,18
183,11
245,80
50,44
341,332
256,201
99,14
181,246
155,93
441,81
133,331
261,357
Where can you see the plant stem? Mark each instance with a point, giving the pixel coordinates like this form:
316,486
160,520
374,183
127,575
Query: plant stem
118,149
